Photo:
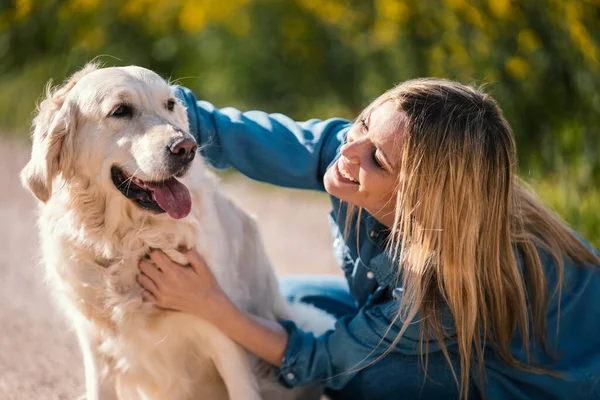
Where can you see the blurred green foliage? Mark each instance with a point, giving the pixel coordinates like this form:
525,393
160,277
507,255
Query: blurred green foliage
321,58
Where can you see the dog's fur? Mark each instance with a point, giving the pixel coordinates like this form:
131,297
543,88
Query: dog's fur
93,238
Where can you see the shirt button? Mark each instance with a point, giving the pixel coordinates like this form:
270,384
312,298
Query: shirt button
290,376
373,234
370,275
336,242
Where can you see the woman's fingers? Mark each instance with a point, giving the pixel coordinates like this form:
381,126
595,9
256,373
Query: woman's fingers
196,260
149,269
162,260
148,284
159,257
148,297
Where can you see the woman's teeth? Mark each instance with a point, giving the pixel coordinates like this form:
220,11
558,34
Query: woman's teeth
346,174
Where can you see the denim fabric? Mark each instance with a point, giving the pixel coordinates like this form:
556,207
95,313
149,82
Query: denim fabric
331,294
275,149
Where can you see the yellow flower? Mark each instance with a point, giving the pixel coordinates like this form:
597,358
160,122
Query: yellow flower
527,40
393,10
580,36
333,12
517,67
500,8
22,9
193,16
384,33
473,15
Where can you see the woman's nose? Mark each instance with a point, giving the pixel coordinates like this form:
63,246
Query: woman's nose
350,152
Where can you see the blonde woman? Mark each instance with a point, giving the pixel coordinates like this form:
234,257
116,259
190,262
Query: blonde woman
459,283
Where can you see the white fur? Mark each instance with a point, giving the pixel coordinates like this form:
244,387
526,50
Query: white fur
93,238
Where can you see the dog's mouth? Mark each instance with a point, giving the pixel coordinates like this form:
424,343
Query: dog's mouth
170,196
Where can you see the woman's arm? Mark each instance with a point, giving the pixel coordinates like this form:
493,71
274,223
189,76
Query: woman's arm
270,148
267,339
333,358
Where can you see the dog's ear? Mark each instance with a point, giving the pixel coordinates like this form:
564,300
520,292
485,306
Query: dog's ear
56,121
45,162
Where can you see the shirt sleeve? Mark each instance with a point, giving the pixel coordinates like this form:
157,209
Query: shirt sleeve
334,358
266,147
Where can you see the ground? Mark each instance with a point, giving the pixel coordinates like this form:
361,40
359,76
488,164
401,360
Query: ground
39,356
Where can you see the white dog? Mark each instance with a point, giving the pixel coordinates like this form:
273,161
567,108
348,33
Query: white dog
113,164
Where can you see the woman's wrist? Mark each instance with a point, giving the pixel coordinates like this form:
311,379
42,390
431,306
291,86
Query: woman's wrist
217,310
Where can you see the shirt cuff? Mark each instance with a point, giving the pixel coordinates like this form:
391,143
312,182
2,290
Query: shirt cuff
289,373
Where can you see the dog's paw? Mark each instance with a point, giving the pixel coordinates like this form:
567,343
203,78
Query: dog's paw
176,256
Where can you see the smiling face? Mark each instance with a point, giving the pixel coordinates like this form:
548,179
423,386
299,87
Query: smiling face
366,173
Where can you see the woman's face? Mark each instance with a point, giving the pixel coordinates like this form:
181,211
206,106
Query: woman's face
366,173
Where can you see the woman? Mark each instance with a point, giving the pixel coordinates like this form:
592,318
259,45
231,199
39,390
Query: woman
459,281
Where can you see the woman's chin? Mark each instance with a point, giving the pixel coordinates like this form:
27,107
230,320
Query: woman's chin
332,186
328,184
336,191
346,191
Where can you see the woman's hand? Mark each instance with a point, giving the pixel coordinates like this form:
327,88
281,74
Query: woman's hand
191,288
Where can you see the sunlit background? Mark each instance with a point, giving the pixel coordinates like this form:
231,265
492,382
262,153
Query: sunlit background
324,58
308,59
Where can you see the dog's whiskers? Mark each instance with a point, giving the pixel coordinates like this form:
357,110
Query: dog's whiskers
129,180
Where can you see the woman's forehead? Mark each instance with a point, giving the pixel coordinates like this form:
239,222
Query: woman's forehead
386,128
387,110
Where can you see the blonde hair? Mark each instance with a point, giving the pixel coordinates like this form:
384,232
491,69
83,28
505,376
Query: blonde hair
462,221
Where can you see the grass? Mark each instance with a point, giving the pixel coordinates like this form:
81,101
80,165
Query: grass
580,208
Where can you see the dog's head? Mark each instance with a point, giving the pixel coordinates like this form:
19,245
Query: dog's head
121,129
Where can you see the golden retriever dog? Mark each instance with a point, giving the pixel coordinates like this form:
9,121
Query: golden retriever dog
115,169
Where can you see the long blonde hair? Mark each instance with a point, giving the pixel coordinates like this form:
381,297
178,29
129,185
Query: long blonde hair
462,220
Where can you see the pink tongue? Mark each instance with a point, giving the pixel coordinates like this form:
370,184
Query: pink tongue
173,197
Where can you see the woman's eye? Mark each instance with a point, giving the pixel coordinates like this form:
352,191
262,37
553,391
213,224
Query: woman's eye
364,124
170,105
122,111
375,160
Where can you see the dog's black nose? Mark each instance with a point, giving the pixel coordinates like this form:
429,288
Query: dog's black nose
184,149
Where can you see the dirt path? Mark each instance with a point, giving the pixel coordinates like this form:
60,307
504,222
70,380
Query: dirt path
39,357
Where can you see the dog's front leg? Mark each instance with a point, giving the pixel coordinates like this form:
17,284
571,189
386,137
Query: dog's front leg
233,364
97,387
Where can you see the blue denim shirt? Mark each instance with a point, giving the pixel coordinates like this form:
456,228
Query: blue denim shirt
275,149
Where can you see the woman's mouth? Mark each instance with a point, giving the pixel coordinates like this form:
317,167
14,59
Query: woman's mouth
344,174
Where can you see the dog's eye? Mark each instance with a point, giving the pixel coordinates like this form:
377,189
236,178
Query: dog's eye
170,105
122,111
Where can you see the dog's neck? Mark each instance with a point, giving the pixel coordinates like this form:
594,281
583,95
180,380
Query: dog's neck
106,224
